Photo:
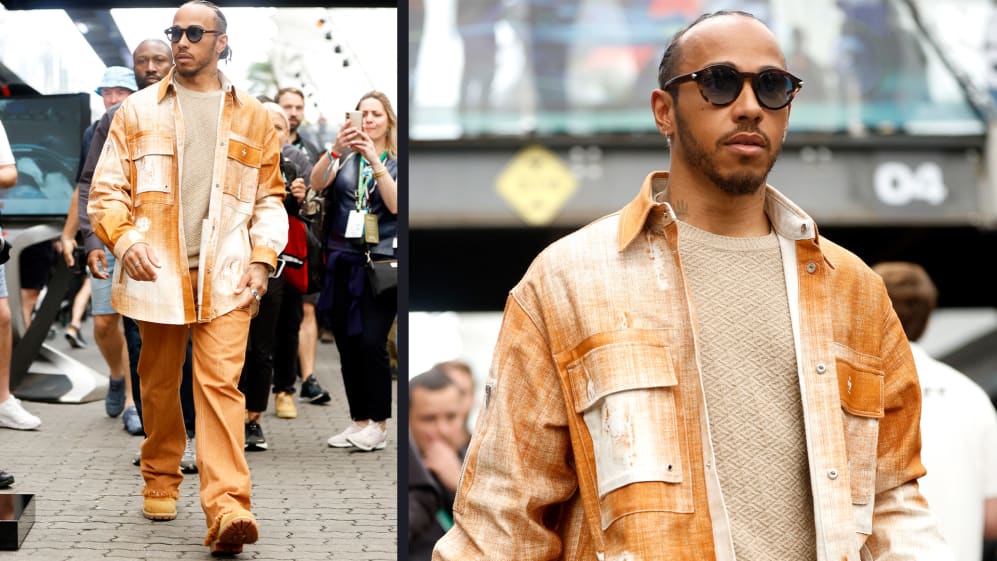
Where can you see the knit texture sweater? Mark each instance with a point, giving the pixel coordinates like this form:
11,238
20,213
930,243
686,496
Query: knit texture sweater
200,120
748,364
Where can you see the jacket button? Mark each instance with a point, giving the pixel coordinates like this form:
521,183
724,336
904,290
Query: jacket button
832,474
811,267
821,368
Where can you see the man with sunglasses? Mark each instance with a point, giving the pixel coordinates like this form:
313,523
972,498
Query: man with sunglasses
700,376
189,197
151,61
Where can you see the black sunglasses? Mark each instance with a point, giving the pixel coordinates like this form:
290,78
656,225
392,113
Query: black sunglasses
721,84
194,33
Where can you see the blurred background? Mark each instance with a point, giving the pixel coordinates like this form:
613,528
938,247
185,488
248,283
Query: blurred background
530,118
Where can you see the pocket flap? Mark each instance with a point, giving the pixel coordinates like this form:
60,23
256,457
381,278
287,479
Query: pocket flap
245,153
861,389
151,144
617,367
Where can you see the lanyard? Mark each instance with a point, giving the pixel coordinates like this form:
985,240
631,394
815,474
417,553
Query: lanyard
365,181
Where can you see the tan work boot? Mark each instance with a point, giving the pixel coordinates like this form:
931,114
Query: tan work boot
159,508
235,529
284,405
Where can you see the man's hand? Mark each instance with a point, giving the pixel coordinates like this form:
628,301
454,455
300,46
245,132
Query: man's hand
442,460
253,284
97,262
140,262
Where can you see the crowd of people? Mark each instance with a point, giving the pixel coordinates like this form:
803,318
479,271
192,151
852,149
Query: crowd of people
189,192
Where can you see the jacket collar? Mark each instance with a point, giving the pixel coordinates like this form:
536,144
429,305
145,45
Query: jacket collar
167,84
788,220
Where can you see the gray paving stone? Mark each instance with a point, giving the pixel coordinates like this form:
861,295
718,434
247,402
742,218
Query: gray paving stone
312,501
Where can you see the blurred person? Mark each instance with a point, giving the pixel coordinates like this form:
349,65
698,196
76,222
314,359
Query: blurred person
12,414
958,424
35,262
363,185
549,23
460,372
700,373
116,84
80,292
179,284
116,340
434,463
272,348
292,101
476,25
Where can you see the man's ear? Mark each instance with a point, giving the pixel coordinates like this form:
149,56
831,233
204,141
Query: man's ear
663,105
222,43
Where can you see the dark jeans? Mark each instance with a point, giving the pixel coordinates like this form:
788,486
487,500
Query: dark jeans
134,341
364,357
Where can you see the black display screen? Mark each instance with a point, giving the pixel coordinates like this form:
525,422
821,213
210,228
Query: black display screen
45,134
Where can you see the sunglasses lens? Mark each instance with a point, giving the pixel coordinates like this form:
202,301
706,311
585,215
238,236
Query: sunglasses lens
773,88
720,84
194,33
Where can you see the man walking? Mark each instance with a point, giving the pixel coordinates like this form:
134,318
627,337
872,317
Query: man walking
188,196
700,376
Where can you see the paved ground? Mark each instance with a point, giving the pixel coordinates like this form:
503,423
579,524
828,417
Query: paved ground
312,501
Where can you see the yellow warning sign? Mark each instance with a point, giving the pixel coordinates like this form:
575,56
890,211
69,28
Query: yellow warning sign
536,184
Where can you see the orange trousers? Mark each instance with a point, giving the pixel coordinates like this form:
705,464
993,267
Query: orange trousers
219,350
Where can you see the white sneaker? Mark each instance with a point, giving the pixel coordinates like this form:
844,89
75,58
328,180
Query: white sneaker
339,440
188,463
13,416
371,437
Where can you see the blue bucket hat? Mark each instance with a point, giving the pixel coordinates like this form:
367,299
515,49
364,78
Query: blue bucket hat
118,77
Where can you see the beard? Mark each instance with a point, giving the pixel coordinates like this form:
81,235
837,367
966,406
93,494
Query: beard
190,72
701,160
198,64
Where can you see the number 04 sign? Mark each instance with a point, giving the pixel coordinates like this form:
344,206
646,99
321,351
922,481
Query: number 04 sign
898,185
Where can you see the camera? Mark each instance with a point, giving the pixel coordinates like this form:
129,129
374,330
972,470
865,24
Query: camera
289,171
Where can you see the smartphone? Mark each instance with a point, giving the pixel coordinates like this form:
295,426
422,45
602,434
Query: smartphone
355,117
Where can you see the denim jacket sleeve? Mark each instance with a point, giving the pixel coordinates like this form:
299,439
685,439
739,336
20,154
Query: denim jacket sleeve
268,228
903,527
110,202
514,478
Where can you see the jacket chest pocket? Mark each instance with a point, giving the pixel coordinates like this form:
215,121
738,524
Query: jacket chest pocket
242,175
153,161
861,390
625,393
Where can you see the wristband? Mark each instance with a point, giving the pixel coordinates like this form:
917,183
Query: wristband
333,155
380,172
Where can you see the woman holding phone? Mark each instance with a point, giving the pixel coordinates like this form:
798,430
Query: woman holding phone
359,176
